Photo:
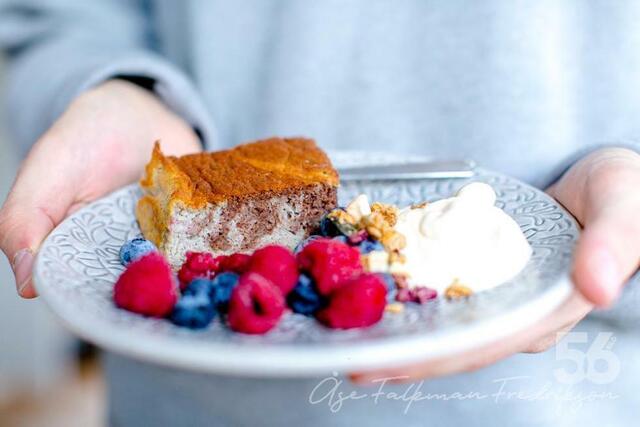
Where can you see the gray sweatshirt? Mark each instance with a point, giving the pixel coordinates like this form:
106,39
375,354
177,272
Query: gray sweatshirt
524,88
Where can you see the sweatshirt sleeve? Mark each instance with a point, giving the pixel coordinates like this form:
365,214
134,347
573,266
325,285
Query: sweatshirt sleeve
58,49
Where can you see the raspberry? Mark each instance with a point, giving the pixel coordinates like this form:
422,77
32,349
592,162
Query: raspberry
197,265
304,298
277,264
330,263
147,287
256,305
134,249
357,304
236,263
305,242
201,261
193,311
223,285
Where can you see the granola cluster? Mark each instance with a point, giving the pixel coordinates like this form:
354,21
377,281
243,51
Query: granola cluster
371,228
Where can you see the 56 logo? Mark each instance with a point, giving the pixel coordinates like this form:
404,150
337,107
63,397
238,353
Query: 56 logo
598,364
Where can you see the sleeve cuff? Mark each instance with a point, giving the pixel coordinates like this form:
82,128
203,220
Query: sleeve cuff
169,83
569,161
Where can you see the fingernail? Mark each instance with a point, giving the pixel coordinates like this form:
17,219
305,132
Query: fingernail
22,265
607,273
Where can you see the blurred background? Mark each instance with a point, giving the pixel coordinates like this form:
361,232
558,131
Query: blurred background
46,377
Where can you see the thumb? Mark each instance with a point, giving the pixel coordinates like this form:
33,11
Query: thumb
608,251
22,229
37,202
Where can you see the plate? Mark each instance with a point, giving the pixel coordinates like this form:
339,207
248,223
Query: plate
77,266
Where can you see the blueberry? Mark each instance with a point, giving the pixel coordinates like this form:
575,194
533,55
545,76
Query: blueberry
194,311
304,298
305,242
134,249
390,283
223,284
328,227
200,286
343,239
369,246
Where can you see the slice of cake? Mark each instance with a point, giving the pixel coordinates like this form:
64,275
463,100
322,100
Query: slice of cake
271,191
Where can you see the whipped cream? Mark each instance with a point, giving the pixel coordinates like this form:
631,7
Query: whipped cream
464,238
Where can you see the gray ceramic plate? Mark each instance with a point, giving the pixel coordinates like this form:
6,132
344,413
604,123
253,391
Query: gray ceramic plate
78,264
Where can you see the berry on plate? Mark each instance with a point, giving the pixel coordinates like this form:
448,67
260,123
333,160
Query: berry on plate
418,294
330,263
358,237
199,286
337,222
135,249
367,246
236,263
223,285
277,264
357,304
341,239
423,294
305,242
197,265
304,298
256,305
404,295
390,283
195,311
147,287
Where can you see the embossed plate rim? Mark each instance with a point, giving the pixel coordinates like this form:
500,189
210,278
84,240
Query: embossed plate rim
190,351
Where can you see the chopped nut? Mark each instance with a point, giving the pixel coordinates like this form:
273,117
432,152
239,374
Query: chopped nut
374,232
395,257
388,212
359,207
376,225
398,268
419,205
376,261
394,307
401,280
393,241
341,216
375,219
456,290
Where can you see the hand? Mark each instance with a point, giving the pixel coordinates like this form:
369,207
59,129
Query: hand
601,191
100,143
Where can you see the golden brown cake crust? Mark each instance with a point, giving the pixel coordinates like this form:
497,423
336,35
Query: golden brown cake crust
273,164
250,171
